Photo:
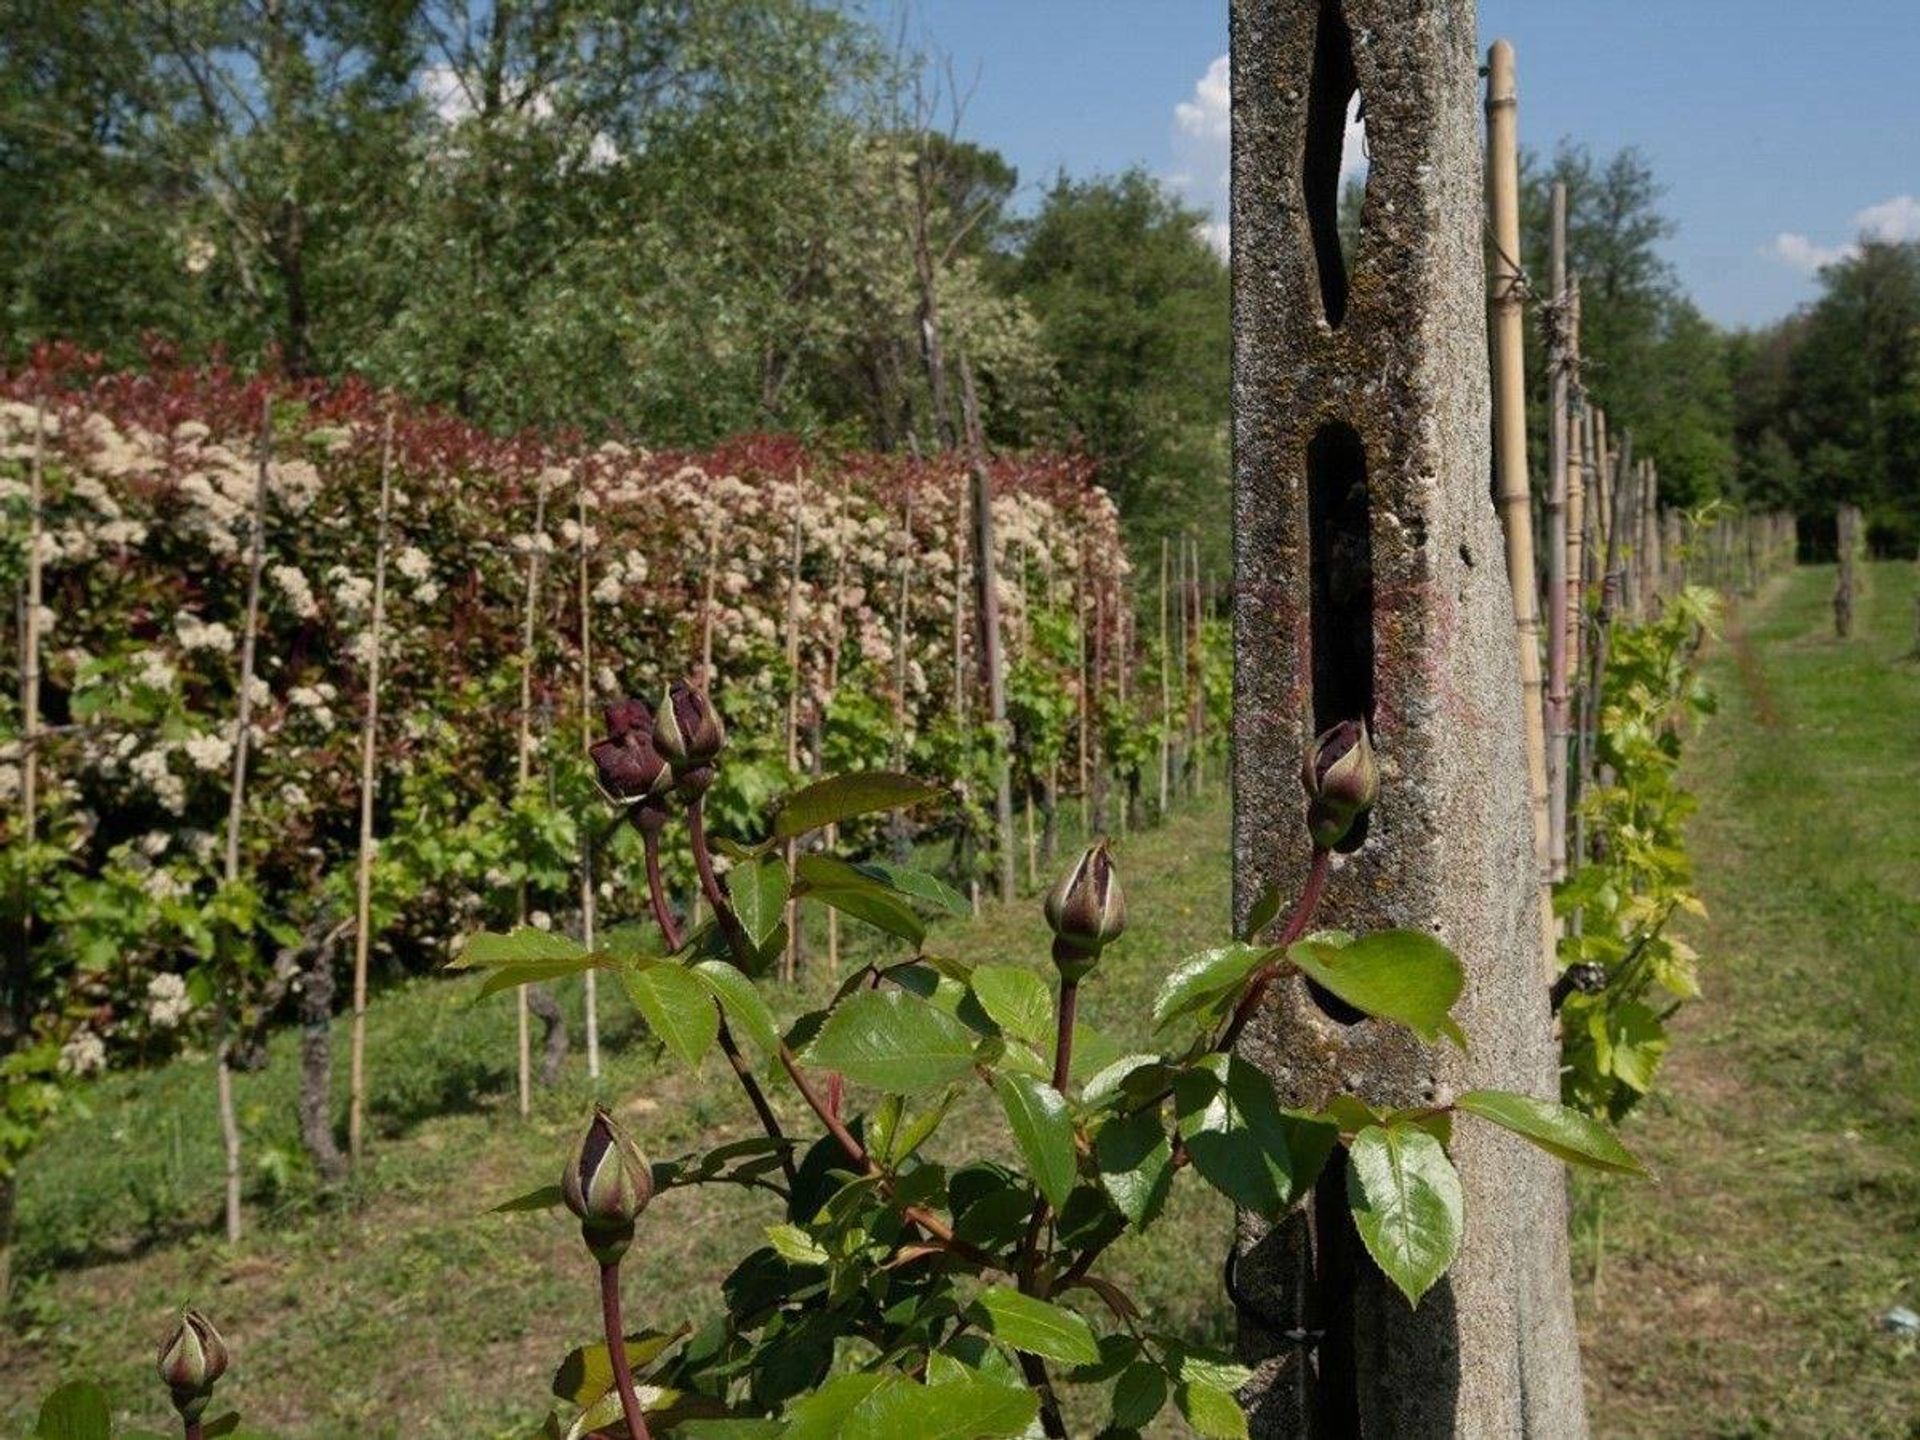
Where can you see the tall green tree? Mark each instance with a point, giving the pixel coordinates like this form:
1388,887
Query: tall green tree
1134,307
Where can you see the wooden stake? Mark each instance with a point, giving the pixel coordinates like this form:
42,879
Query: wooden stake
30,663
524,758
363,876
236,805
790,962
1166,689
589,896
992,661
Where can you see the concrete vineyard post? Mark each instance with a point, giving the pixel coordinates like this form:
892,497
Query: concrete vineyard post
1368,583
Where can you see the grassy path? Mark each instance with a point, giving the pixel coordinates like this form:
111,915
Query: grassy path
1742,1296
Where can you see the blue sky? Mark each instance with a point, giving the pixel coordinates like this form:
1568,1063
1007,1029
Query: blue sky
1781,128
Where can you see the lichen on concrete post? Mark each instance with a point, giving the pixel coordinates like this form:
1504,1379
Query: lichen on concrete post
1370,583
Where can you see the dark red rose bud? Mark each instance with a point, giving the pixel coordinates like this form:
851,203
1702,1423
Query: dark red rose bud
607,1185
630,768
628,717
687,731
1087,912
1341,780
192,1358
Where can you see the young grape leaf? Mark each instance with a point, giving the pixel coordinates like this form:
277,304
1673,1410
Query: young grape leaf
1041,1128
1406,1202
1576,1138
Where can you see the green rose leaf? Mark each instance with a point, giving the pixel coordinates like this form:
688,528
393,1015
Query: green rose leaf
1043,1131
742,1001
842,797
677,1007
1576,1138
759,895
1405,1196
892,1040
545,1198
523,945
77,1410
1016,1000
1211,1412
1136,1167
1138,1395
1205,981
1405,976
1034,1326
931,889
587,1373
1240,1139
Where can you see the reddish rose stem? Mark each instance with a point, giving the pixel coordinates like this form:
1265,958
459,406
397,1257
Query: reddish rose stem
1295,927
657,893
617,1352
933,1225
194,1431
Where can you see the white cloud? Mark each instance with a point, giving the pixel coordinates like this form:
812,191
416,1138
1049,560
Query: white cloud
1202,144
1894,220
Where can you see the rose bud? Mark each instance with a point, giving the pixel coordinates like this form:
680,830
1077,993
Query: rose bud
607,1186
1341,781
629,767
628,717
192,1358
1087,912
687,732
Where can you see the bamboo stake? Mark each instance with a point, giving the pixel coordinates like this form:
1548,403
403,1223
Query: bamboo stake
790,961
1650,571
836,640
363,877
904,594
992,661
30,664
589,895
1559,381
1086,709
1196,664
236,804
524,765
1510,421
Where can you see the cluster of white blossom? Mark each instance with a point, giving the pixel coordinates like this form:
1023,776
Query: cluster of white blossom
167,1000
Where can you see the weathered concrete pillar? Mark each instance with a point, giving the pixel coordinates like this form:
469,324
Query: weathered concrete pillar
1370,583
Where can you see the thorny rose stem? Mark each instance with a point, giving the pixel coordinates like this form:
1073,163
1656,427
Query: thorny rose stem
657,893
616,1352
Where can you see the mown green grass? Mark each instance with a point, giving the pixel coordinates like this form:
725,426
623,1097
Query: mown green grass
1742,1296
398,1307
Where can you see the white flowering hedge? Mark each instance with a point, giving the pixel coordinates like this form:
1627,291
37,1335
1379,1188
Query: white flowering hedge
149,480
